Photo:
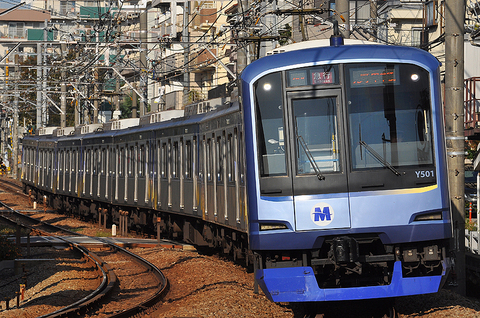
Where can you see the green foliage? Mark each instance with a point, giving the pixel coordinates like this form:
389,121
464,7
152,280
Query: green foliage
194,96
470,225
101,233
285,34
8,250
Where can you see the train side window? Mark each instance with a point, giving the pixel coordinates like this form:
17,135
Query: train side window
202,163
130,160
121,160
174,160
188,159
209,159
241,158
163,159
141,161
61,161
103,162
230,159
270,125
87,168
220,156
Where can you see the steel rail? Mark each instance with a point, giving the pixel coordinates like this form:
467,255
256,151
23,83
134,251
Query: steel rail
109,279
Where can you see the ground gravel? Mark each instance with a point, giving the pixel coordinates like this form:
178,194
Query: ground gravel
200,285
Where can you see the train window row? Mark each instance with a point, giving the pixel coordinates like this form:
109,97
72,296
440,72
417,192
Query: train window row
211,158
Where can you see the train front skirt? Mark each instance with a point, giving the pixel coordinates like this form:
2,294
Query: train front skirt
298,284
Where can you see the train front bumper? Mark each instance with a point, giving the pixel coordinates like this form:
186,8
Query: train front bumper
298,284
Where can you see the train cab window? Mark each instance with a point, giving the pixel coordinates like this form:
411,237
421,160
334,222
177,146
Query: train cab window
389,116
315,121
270,125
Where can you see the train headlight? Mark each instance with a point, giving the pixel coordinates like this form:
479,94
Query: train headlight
267,86
429,216
272,226
415,77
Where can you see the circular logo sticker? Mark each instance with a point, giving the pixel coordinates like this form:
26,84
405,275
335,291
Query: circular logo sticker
322,214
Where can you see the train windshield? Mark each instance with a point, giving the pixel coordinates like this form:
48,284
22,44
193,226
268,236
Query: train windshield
389,115
270,121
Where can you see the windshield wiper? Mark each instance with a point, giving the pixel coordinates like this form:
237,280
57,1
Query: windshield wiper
314,165
377,156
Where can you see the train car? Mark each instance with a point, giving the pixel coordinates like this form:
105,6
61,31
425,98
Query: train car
346,173
329,174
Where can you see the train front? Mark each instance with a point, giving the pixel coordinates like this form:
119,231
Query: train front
346,173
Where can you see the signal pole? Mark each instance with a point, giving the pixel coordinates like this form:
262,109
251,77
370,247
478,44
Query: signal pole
454,126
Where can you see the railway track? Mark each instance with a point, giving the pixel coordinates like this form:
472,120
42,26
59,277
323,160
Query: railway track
129,283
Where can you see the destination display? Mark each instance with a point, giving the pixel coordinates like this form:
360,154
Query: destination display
363,77
311,76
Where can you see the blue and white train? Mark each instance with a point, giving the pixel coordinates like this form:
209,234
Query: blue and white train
330,174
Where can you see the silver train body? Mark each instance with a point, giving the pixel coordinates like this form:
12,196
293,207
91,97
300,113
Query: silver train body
186,173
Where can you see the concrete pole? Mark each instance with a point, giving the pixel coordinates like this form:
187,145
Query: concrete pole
343,10
134,102
96,97
39,85
454,126
242,52
186,52
143,61
63,89
15,123
373,19
44,78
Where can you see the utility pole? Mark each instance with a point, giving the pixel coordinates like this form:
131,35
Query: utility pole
143,61
454,126
186,52
373,19
343,17
63,89
44,77
39,122
15,123
134,102
242,51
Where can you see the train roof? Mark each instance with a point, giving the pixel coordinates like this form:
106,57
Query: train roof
357,53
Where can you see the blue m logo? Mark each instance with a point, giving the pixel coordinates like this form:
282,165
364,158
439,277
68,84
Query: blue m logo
320,215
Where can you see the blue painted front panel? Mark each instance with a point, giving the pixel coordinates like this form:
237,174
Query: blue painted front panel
277,209
392,207
298,284
322,212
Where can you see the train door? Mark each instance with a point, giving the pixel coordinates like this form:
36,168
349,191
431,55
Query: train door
211,184
142,174
220,189
319,181
174,175
102,188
